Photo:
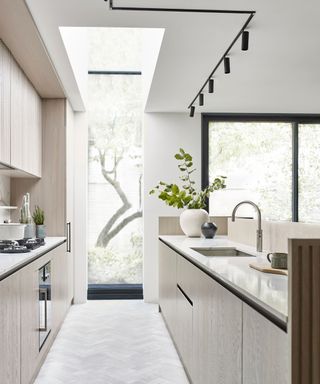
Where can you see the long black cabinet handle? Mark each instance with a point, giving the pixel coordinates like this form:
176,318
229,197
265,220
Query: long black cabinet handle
69,237
185,295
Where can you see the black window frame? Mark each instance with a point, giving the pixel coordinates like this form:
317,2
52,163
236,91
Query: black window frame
114,291
294,119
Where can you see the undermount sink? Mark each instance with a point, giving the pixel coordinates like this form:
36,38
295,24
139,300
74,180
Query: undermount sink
222,252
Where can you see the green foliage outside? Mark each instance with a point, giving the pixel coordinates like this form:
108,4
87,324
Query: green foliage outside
109,266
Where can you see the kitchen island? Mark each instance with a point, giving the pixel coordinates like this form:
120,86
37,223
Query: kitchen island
266,292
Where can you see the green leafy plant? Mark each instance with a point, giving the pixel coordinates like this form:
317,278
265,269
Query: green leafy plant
38,216
186,196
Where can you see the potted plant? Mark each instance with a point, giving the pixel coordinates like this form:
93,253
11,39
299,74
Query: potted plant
38,219
187,196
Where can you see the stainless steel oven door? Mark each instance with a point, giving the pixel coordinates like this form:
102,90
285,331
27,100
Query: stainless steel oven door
45,314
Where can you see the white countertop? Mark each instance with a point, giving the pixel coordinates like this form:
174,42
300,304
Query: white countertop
269,291
11,262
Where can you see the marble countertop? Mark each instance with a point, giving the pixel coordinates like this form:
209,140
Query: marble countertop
268,291
12,262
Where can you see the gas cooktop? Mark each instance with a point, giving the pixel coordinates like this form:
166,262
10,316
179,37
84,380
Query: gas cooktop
20,246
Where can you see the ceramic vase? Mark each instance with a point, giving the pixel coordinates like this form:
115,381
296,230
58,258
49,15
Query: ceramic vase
209,230
29,231
191,221
41,231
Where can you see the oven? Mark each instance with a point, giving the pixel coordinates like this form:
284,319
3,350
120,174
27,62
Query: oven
45,314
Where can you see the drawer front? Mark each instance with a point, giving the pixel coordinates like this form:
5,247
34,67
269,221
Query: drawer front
186,276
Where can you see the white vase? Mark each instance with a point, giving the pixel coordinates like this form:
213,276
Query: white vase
191,221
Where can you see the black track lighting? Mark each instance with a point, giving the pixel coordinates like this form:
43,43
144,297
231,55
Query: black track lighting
211,86
192,110
245,41
226,62
201,99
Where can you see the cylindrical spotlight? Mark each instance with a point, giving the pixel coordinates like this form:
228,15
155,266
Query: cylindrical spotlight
192,109
245,40
201,99
226,62
211,86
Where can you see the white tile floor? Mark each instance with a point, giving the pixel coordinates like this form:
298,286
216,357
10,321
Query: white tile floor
113,342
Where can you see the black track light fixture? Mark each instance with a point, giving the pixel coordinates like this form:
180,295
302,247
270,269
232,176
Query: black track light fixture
201,99
226,62
192,110
245,41
211,86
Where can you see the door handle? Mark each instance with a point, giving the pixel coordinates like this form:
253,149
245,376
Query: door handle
69,236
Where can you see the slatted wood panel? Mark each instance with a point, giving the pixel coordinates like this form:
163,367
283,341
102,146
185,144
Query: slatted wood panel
304,306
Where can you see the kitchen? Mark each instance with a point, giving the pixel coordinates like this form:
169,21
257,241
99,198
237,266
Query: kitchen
71,309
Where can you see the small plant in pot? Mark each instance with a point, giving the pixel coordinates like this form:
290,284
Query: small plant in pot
38,219
186,196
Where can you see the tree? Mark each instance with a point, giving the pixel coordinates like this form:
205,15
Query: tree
115,134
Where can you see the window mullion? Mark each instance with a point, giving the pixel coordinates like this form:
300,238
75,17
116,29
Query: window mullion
295,171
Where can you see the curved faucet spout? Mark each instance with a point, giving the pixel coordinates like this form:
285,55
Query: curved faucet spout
259,231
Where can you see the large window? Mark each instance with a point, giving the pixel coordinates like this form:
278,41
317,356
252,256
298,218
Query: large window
115,164
271,160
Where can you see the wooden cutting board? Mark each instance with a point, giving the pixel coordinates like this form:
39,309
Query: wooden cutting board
267,269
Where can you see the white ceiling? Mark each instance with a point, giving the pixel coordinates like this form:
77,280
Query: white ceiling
280,72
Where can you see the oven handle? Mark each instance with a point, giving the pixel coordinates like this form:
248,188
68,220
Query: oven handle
44,291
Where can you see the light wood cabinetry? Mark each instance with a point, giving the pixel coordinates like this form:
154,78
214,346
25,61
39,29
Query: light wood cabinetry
220,339
168,284
26,127
10,330
20,118
183,334
60,291
21,357
5,65
54,191
265,350
217,333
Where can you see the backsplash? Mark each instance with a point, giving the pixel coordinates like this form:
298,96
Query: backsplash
5,197
275,233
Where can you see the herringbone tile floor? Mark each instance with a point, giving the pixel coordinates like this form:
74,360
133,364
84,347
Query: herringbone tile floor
113,342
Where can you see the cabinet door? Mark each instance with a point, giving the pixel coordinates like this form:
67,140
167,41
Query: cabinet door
217,333
26,125
70,194
30,321
183,335
32,131
10,330
265,350
17,111
167,285
5,64
60,294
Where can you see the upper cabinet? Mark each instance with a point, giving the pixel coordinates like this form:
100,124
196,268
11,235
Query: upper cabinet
20,116
5,64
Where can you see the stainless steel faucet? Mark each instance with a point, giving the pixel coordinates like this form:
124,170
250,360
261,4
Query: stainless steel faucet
259,230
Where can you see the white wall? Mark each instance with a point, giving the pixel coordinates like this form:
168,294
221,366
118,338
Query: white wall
164,134
80,207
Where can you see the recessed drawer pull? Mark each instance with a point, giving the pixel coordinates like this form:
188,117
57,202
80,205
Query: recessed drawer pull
184,294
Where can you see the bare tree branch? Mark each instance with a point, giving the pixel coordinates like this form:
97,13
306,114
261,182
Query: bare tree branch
105,237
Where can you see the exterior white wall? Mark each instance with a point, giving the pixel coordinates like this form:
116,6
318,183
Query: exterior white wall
164,134
80,207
